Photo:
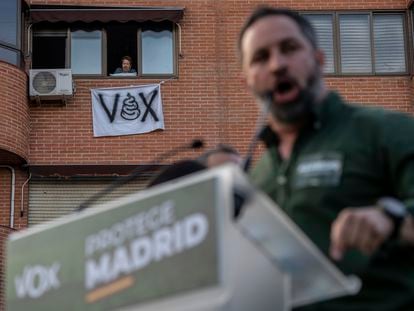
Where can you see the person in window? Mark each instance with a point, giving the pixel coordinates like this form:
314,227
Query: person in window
126,62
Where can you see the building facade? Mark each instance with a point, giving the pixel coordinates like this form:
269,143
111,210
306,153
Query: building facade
50,160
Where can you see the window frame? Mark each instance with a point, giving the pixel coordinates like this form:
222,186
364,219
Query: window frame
68,55
18,29
104,48
51,32
410,37
337,43
338,36
405,22
334,36
16,48
175,57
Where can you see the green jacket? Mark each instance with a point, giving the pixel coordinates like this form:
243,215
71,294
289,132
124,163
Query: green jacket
349,156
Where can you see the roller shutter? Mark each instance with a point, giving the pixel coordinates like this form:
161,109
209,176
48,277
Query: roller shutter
49,199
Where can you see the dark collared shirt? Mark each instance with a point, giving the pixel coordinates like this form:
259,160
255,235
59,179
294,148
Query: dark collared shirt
349,156
120,70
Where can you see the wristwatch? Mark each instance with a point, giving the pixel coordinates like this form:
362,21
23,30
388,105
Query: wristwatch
396,211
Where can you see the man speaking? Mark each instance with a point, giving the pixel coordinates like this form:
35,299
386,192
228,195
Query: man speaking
343,173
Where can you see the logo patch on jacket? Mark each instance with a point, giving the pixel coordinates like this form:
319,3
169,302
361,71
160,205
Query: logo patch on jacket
318,170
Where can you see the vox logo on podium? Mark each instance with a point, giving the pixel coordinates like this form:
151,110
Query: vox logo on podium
37,280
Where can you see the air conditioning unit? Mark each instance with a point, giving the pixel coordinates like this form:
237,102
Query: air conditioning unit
51,83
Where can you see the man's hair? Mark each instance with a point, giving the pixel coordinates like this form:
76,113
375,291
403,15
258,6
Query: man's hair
220,148
265,11
126,58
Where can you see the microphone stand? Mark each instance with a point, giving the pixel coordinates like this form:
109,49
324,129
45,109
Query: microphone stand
195,144
267,100
240,195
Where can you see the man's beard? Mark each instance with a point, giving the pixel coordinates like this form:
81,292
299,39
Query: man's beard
301,109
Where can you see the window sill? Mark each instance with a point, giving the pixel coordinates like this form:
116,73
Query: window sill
146,77
364,75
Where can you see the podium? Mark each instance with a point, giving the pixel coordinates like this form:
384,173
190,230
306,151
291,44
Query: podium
174,247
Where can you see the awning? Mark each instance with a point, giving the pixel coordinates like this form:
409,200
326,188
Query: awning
88,14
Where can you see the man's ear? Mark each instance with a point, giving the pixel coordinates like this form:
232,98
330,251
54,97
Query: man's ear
320,57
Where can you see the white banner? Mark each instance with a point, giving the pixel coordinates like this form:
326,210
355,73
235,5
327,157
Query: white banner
127,110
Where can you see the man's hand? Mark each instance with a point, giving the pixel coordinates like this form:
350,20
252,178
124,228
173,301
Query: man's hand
364,229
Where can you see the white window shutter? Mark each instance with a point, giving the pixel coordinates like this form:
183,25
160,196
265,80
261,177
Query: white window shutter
86,52
355,43
323,25
389,43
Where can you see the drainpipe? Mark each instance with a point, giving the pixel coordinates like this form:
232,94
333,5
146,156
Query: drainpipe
22,192
29,42
13,178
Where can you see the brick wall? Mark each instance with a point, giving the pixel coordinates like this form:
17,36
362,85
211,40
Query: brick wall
208,99
389,92
14,112
19,221
14,149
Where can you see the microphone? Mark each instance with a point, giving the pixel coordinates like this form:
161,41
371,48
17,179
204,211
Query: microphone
241,196
267,101
195,144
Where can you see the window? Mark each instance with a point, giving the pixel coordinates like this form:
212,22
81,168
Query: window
8,22
355,43
9,55
323,26
10,31
97,48
122,40
49,46
157,50
362,43
86,52
389,36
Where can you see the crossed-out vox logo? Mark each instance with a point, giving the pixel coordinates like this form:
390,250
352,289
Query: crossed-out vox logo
127,110
36,280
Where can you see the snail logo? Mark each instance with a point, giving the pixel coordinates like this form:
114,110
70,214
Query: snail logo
130,109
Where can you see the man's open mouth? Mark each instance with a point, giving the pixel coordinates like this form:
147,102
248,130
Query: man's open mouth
286,91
